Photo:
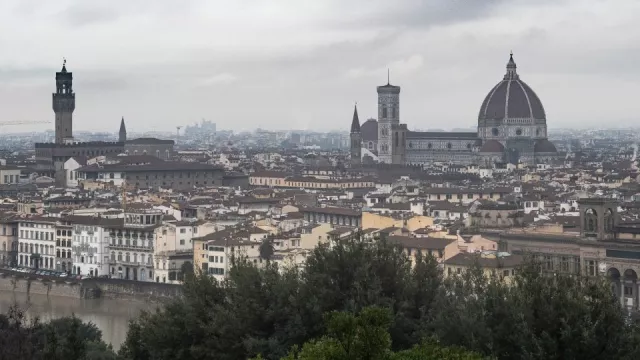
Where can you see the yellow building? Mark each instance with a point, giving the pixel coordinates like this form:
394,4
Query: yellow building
440,248
492,263
410,222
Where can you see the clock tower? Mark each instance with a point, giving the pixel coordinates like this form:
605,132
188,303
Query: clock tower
388,123
64,102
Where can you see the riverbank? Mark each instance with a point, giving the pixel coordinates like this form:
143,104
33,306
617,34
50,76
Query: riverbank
92,288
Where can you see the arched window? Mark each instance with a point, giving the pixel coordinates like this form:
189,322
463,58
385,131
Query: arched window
113,256
119,256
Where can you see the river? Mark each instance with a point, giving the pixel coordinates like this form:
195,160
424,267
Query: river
110,316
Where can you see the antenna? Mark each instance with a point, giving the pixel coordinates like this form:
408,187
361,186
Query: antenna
388,76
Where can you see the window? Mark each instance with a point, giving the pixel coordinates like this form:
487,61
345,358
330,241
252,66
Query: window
628,291
384,116
182,242
183,231
591,267
216,271
505,273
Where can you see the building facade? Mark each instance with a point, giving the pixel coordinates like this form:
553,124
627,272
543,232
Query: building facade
512,128
131,243
36,243
8,242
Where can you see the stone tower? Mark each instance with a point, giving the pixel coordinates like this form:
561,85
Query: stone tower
122,135
388,119
64,103
356,138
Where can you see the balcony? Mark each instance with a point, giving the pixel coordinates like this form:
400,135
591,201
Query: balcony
129,263
126,247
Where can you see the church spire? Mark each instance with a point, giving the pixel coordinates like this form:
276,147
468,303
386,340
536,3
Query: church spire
122,135
511,68
355,123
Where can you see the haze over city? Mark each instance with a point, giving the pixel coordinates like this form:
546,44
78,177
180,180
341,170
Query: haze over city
302,64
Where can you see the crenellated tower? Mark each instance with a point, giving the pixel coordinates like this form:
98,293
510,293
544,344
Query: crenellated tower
356,138
64,103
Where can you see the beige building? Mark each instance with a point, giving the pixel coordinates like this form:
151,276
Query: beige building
174,247
411,222
8,241
492,263
9,174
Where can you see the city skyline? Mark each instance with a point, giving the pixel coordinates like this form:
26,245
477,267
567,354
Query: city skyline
163,66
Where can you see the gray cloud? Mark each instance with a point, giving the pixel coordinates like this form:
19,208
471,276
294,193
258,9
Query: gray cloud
86,13
301,64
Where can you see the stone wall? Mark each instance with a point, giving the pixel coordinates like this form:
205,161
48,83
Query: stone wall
88,288
131,290
40,285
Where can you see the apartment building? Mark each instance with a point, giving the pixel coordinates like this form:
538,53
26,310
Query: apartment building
89,245
8,241
131,242
36,242
64,246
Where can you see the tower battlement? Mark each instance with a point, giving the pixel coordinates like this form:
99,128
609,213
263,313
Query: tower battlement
64,103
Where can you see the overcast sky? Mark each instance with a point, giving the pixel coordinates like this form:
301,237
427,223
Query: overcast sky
301,64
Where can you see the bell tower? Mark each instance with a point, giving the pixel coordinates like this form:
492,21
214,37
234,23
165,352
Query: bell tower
64,103
388,120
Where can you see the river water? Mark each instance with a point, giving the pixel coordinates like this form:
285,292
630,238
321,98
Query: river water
110,316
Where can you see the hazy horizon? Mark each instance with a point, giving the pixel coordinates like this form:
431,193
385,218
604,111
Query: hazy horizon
291,64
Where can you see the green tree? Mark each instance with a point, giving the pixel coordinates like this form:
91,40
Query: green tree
266,248
365,337
269,311
64,338
535,316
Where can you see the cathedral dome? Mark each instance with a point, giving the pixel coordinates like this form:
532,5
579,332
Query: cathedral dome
544,146
369,130
511,98
492,146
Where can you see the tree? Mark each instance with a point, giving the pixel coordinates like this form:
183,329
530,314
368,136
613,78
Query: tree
365,337
535,316
64,338
270,311
266,249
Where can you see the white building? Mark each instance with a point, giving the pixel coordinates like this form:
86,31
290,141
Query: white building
70,168
36,243
89,245
131,243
